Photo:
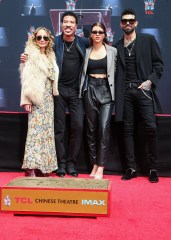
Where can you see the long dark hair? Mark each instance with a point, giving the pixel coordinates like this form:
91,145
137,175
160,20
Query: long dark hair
99,24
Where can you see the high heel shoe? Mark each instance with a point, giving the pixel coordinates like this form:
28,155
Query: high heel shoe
99,173
98,177
30,173
93,172
92,175
39,173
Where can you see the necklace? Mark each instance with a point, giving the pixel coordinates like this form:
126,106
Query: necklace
127,42
68,49
130,50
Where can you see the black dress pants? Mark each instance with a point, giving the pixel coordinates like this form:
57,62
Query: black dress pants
139,101
98,110
68,98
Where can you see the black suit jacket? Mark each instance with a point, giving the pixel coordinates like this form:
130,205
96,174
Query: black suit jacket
149,66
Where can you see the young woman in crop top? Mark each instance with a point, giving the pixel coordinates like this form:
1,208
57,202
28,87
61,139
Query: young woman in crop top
97,90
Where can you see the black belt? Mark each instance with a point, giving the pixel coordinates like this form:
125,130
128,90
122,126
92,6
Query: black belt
98,81
132,85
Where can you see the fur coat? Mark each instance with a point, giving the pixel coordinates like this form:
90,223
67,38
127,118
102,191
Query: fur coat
34,73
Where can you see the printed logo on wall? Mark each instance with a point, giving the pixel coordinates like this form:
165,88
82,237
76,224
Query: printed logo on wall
70,5
7,201
149,6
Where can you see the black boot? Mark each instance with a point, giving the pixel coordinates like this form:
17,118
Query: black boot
153,177
130,173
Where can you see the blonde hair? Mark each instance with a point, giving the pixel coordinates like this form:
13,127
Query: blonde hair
32,39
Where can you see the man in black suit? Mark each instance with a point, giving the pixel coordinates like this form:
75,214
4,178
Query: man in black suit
139,69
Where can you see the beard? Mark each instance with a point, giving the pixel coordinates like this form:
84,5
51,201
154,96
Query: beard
128,31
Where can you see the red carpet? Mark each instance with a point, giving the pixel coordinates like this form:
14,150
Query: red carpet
139,211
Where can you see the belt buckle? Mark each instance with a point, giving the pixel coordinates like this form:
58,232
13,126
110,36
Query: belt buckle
133,85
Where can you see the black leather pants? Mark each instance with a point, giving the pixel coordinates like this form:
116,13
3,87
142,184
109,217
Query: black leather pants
98,109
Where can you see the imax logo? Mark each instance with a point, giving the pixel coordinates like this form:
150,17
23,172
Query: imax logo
93,202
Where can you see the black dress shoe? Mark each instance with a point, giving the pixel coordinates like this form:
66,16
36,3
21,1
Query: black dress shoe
61,172
130,173
39,173
72,172
153,177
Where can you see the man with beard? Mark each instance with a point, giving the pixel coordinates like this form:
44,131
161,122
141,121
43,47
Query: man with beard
139,69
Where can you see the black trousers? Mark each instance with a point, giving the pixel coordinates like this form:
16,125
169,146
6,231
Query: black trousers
139,101
98,110
68,98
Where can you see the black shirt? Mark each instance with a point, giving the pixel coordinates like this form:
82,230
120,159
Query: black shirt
71,66
130,62
98,66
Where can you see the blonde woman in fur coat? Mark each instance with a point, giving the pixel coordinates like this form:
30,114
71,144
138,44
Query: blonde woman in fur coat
39,76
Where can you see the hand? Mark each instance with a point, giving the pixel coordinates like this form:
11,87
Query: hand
23,57
28,108
146,85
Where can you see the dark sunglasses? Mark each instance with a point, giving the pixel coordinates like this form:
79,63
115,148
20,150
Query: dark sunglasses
45,38
131,21
97,32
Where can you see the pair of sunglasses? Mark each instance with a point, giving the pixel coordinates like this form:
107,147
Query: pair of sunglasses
97,32
45,38
130,21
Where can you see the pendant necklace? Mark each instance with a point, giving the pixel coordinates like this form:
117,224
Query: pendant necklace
130,50
68,48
